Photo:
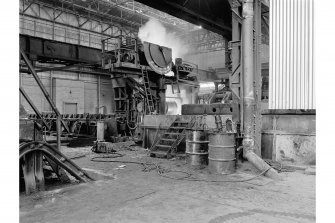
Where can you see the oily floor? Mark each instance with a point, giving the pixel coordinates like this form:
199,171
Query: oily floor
125,193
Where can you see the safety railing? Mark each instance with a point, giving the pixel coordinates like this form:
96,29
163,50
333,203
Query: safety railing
48,30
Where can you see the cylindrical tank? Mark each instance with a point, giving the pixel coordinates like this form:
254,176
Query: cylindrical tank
197,148
221,153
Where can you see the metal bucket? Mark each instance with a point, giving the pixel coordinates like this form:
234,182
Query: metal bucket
197,148
221,153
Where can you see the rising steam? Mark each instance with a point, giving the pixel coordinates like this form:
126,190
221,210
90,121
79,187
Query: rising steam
154,32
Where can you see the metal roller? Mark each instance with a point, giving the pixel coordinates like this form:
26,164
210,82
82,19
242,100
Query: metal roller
171,108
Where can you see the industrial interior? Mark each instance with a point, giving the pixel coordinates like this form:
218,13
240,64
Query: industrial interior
167,111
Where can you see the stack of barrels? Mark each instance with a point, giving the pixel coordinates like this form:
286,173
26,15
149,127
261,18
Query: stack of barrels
213,148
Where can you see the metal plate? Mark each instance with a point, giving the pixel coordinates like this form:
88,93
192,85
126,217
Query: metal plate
158,57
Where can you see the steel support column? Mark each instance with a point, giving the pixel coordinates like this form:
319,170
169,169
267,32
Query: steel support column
257,76
44,91
236,78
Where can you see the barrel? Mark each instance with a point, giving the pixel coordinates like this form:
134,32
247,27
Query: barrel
221,153
197,148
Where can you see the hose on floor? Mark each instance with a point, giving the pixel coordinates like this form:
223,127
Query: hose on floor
161,171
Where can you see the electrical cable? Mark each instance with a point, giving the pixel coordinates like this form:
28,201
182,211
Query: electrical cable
77,157
115,155
145,165
148,166
219,181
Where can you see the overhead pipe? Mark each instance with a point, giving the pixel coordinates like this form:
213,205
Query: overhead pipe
248,92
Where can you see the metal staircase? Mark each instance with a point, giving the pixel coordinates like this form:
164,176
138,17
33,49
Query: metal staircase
166,145
148,96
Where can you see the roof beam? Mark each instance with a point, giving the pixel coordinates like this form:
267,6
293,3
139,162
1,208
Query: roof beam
198,16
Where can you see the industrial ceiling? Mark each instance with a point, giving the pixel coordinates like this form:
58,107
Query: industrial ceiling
214,15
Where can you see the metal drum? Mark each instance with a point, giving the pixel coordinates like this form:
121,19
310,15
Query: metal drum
197,148
221,152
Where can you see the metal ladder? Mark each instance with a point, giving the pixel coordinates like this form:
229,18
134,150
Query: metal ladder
148,95
166,145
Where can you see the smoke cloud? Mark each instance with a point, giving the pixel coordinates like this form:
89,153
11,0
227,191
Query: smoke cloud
154,32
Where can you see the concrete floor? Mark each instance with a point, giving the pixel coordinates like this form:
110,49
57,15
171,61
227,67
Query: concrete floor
130,195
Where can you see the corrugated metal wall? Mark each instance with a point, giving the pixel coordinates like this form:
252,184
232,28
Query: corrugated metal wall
292,83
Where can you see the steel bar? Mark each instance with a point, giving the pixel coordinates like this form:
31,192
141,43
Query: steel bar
32,105
56,68
76,71
115,5
81,25
237,16
58,15
63,24
24,10
59,130
20,83
44,91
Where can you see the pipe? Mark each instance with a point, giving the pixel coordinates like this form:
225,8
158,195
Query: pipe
98,98
248,92
59,130
248,67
